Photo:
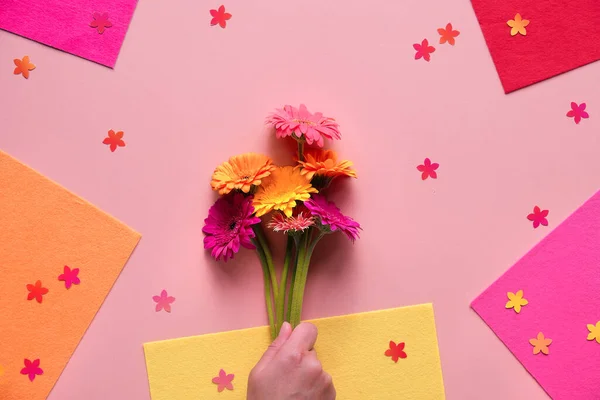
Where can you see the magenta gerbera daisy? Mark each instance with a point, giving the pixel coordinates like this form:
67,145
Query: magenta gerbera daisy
229,226
301,123
297,224
330,216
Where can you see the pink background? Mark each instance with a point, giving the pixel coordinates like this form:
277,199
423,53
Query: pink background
189,95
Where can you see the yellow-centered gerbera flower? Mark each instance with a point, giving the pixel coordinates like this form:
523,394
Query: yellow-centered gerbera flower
281,190
325,163
241,172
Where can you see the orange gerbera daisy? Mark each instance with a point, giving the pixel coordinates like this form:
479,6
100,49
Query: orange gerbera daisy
281,190
325,163
241,172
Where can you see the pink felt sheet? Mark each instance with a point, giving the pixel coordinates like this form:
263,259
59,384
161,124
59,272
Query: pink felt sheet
560,278
65,25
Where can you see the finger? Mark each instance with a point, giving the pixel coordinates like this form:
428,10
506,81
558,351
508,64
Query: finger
328,388
275,347
303,338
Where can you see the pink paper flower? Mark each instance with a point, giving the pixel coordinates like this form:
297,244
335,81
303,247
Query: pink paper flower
223,381
330,216
297,224
32,368
577,112
69,276
164,301
427,169
100,22
220,17
302,124
229,226
538,217
424,50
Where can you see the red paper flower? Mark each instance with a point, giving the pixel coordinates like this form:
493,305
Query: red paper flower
448,35
100,22
69,276
220,17
538,217
396,351
163,302
36,291
423,50
428,169
32,368
223,381
577,112
114,140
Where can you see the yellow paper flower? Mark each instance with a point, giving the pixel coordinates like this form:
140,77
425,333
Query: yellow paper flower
241,172
325,163
594,332
281,190
516,301
540,344
518,25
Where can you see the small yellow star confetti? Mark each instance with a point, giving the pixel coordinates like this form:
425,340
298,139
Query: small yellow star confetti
540,344
594,332
516,301
518,25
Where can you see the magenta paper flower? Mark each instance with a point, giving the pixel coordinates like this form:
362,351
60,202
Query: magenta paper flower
303,125
330,216
280,223
223,381
32,368
427,169
538,217
577,112
164,301
220,17
424,50
229,226
100,22
69,276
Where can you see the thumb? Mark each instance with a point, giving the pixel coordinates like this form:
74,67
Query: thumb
273,349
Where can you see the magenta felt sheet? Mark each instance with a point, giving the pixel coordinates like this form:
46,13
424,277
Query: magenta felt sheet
560,278
65,25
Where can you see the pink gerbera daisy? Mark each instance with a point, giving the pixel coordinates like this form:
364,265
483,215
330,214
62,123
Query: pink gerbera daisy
301,123
297,224
330,216
229,225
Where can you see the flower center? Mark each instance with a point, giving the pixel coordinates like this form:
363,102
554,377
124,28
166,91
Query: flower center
232,225
304,121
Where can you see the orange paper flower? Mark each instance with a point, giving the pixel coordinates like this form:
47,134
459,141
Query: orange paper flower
325,163
448,34
518,25
281,190
540,344
23,67
241,173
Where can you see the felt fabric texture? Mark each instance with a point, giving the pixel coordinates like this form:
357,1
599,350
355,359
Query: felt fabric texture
65,25
43,228
560,278
351,348
561,36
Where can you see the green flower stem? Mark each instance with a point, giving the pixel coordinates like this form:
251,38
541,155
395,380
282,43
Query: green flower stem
267,284
262,240
300,150
280,302
293,274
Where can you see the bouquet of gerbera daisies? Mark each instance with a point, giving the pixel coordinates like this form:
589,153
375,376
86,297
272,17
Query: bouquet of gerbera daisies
251,187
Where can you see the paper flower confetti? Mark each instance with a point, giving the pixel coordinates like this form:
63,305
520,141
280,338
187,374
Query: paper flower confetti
36,291
114,139
447,35
163,302
424,50
578,112
594,332
23,67
427,169
518,25
220,17
32,368
223,381
540,344
516,301
69,276
396,351
538,217
100,22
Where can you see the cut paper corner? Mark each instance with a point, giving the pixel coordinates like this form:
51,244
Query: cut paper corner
357,374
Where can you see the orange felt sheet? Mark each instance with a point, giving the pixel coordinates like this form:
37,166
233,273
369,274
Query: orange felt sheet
44,227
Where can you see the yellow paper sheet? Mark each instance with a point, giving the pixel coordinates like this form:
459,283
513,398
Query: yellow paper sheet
351,348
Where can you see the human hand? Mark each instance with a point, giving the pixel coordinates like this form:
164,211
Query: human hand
290,369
